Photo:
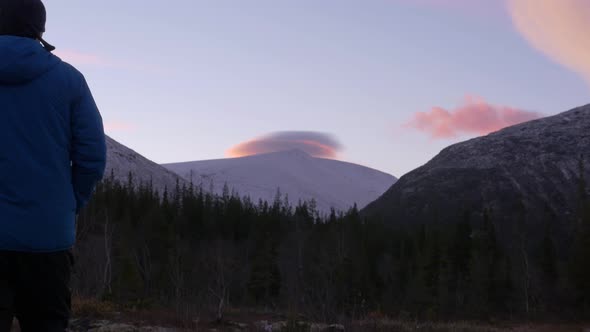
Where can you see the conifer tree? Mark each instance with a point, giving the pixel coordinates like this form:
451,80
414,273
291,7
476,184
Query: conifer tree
579,267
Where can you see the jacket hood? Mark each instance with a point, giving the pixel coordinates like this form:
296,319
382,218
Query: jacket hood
23,60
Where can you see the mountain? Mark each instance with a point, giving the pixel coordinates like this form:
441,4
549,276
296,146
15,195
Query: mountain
527,172
121,161
302,177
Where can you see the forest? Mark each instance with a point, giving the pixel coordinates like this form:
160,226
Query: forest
190,251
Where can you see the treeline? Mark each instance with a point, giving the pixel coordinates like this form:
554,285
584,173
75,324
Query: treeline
194,252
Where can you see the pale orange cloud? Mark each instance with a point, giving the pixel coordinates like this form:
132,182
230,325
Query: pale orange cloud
475,116
78,58
313,143
558,28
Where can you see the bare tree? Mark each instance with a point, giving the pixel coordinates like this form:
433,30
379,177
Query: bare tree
108,248
177,279
143,261
221,266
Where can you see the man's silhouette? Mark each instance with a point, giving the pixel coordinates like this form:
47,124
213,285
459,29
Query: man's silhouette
52,153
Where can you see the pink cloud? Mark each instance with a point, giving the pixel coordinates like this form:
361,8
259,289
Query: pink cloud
475,116
558,28
116,126
78,58
316,144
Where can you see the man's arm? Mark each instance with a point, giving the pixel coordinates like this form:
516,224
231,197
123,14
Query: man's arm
88,151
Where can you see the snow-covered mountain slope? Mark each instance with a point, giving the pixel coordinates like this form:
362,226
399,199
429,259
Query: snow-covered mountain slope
532,169
121,161
302,177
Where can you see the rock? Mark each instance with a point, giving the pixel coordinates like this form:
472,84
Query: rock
156,329
238,326
262,326
277,326
114,328
304,326
326,328
106,326
316,327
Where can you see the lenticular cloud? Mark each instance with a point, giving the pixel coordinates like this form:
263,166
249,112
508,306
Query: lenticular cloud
314,143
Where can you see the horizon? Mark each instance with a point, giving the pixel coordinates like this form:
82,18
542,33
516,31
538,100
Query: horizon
384,84
301,150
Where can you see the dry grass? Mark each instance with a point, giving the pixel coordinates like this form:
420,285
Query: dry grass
190,320
91,308
552,328
406,326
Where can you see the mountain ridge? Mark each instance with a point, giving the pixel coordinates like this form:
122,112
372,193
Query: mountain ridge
123,161
534,166
330,183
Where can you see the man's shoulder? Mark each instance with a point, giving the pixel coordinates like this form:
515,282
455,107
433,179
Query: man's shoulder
70,70
70,78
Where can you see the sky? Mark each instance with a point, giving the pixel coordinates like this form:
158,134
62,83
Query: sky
382,83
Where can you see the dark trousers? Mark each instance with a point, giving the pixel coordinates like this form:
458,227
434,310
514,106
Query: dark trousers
35,288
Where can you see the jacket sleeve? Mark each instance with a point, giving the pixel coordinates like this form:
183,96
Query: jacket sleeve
88,150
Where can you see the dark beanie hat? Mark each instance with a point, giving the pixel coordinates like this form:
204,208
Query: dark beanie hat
24,18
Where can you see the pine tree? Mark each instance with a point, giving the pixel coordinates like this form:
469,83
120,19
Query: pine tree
461,253
548,259
491,254
432,268
579,268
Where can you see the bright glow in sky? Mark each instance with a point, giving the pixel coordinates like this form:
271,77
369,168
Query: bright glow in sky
190,79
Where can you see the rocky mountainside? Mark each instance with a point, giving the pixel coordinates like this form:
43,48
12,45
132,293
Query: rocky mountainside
529,171
331,183
121,161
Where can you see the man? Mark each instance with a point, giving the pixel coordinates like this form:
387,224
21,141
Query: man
52,153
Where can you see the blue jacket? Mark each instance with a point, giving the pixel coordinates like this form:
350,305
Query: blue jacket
52,147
